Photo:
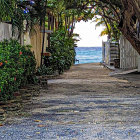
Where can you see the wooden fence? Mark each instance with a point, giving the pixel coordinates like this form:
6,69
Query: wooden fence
128,55
110,51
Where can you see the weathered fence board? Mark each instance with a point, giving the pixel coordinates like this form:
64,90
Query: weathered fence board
128,55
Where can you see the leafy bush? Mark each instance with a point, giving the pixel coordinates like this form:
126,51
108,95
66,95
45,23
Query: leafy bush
43,70
62,51
17,67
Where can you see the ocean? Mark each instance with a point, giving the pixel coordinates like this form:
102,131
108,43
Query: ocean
88,55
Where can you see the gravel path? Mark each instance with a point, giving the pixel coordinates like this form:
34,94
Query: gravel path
82,104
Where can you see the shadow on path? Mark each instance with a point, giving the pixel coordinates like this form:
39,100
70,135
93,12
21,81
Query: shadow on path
82,104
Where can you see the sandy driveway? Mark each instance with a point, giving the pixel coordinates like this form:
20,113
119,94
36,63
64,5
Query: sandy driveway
82,104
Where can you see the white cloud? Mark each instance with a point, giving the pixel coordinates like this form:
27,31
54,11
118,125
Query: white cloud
88,34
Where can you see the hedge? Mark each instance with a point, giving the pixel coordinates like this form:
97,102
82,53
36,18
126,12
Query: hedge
17,67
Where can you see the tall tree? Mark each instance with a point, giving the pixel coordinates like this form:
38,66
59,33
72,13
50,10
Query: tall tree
124,14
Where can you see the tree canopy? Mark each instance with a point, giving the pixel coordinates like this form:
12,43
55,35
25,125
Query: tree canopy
118,15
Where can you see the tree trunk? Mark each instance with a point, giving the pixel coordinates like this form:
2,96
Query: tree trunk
136,6
127,25
132,38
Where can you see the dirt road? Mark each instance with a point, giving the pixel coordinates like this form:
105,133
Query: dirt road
84,103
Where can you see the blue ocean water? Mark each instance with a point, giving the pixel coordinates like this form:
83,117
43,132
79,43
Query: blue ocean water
88,55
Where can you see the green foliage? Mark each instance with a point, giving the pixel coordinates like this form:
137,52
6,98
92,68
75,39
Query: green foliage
14,12
7,9
111,29
17,67
44,70
62,51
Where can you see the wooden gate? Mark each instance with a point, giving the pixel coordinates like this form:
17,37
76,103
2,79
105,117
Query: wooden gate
110,51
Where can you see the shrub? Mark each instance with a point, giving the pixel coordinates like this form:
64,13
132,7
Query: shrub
62,50
43,70
17,67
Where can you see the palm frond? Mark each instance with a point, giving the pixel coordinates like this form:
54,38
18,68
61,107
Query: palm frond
104,32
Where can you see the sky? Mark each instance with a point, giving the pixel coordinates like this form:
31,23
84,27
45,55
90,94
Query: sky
89,35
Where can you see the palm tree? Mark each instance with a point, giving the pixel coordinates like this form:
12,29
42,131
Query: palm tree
100,21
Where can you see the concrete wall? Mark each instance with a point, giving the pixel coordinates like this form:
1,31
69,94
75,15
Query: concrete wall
6,31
